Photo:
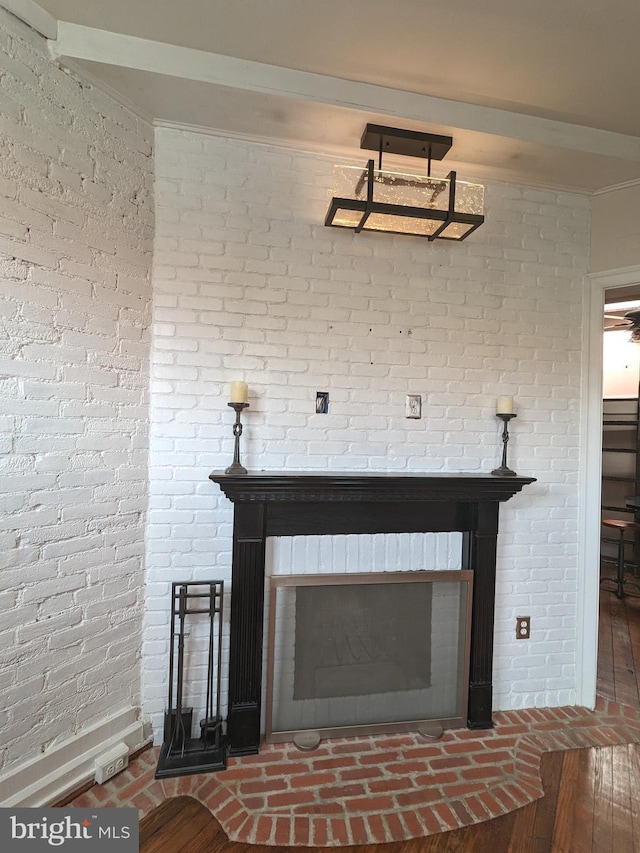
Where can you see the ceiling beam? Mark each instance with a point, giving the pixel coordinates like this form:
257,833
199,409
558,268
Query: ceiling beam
75,42
33,15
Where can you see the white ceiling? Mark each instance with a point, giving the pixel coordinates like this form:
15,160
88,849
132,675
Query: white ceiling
544,92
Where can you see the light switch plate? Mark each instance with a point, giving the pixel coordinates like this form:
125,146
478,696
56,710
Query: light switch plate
322,402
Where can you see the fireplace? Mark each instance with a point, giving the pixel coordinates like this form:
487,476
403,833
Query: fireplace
367,652
276,504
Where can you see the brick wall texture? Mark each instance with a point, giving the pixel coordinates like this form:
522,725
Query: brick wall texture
76,230
249,284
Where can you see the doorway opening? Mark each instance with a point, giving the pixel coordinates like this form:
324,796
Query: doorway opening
618,666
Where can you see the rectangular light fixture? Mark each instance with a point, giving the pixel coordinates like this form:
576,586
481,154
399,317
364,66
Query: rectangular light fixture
373,199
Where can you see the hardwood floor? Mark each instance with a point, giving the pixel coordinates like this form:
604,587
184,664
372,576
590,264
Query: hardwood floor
590,803
619,649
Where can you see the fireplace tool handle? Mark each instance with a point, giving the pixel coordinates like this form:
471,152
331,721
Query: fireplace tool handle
178,731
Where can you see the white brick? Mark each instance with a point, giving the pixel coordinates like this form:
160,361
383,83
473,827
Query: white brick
250,285
338,319
67,178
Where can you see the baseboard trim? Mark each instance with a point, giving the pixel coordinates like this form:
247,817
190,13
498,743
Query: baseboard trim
70,796
49,778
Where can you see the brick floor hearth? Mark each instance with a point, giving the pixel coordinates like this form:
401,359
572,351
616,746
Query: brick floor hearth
374,789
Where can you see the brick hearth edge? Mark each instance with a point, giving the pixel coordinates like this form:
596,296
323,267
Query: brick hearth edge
364,790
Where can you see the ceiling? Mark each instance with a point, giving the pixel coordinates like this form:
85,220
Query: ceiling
543,93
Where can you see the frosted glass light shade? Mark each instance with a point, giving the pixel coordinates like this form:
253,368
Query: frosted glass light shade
375,200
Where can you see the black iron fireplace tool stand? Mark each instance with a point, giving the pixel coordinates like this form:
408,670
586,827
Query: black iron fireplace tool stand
182,754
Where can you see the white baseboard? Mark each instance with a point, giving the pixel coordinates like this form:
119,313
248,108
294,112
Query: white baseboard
47,779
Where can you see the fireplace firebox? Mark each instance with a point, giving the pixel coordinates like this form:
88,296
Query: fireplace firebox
367,652
304,503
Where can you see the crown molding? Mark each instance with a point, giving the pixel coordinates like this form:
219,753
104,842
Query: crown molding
471,172
84,74
625,185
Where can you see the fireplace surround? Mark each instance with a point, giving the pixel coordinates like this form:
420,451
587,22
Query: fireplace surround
304,503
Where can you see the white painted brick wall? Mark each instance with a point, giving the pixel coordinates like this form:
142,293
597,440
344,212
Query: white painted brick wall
248,284
76,229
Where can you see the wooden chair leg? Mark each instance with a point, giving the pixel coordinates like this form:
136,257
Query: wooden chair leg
620,576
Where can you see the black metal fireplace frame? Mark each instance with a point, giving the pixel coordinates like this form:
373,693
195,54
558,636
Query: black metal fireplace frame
304,503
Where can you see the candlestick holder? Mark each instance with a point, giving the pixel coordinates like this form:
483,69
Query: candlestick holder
504,470
236,467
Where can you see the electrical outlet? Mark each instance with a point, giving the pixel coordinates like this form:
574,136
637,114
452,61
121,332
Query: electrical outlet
523,627
413,406
111,762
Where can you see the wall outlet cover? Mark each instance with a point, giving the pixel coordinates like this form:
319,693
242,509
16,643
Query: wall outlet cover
111,762
413,406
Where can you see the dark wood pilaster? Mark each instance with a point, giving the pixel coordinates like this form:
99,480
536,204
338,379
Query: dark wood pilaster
479,554
245,640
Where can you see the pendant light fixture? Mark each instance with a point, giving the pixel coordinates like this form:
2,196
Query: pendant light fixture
371,199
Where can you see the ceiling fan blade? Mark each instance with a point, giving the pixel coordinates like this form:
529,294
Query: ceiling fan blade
609,327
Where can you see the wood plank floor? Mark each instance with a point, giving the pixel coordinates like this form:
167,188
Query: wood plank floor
591,804
619,649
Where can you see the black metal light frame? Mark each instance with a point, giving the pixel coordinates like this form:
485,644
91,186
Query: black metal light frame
408,143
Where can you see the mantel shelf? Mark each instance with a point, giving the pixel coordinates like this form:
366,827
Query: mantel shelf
268,486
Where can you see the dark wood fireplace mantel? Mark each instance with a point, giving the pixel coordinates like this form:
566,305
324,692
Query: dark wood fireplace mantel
305,503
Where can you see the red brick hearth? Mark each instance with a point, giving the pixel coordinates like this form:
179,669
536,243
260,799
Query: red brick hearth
374,789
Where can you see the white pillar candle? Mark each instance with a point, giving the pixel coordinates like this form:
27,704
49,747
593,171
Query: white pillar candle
239,392
504,406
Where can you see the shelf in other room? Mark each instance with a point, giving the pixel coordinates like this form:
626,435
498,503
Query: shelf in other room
606,508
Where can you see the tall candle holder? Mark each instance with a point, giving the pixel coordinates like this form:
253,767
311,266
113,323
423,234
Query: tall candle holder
236,467
504,470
